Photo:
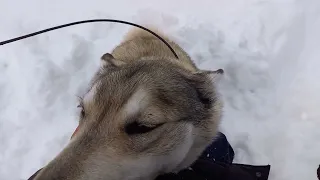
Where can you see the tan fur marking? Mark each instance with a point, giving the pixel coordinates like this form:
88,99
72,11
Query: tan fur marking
136,102
89,96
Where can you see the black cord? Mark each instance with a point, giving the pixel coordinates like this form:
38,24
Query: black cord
88,21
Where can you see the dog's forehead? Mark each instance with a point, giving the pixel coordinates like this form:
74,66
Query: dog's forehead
114,87
137,101
144,93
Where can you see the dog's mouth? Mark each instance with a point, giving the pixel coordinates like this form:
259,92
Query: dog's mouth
75,131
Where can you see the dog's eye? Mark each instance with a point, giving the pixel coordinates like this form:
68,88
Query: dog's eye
82,113
137,128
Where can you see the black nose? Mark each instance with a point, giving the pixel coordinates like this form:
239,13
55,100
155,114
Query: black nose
220,71
34,175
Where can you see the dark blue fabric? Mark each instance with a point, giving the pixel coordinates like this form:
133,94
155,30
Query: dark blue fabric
219,151
215,163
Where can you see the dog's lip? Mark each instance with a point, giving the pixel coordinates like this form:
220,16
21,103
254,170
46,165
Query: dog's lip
75,131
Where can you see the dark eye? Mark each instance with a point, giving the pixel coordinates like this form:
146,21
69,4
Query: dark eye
137,128
82,113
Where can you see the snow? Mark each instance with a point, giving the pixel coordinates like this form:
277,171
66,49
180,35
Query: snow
269,50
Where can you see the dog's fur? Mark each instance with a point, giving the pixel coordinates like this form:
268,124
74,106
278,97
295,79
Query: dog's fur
145,113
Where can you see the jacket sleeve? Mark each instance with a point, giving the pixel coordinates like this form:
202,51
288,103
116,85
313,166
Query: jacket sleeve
222,171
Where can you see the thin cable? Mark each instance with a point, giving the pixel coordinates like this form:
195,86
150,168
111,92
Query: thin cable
88,21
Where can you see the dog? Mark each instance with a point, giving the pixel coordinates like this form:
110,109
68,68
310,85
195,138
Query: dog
145,113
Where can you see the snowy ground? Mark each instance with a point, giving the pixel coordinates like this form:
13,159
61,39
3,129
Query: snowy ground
269,49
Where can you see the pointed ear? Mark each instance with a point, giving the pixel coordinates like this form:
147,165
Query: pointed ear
107,60
204,82
214,75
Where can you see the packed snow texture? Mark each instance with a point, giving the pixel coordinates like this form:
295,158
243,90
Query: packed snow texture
269,49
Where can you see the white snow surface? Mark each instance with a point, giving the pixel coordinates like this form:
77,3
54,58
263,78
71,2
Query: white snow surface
269,49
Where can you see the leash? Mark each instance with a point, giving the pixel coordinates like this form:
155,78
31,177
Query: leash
88,21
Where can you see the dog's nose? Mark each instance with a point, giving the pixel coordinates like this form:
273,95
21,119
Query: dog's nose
34,175
220,71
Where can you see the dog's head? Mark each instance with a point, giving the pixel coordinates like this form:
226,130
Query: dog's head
138,120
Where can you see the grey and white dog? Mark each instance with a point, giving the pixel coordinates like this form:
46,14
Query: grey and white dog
146,113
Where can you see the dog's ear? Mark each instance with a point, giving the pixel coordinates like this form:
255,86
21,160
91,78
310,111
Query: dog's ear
107,60
214,75
204,82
